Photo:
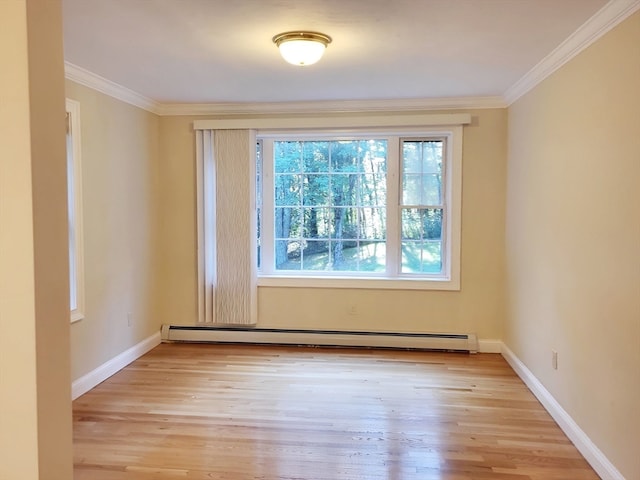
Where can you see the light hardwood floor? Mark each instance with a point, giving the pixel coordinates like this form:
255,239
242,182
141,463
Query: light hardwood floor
232,412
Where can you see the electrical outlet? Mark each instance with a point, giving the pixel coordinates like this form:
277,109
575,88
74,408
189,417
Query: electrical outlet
129,319
554,359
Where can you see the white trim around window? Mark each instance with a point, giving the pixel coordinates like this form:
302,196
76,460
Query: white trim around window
448,279
345,120
74,199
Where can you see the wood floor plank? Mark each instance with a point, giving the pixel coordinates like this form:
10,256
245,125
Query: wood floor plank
232,412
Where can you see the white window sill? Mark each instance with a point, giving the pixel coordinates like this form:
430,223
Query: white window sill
381,283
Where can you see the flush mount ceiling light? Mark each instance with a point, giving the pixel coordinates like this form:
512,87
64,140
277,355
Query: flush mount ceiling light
301,48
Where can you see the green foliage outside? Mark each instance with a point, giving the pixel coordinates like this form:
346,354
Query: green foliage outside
331,201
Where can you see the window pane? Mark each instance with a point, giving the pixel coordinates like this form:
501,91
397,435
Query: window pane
432,223
421,257
288,255
287,156
432,157
374,157
315,156
345,255
317,222
344,156
431,190
421,240
412,189
344,189
432,257
288,190
421,189
316,189
373,190
421,223
411,224
345,224
316,255
411,157
422,156
411,257
287,223
373,223
372,256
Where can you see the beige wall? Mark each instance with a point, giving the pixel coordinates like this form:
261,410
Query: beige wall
177,235
478,307
573,239
35,396
121,213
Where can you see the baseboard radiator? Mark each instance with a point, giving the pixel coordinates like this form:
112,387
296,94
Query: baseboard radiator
326,338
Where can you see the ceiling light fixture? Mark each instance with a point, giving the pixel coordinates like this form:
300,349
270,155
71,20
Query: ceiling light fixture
302,48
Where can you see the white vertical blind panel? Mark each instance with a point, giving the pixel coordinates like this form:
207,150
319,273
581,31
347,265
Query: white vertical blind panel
235,284
200,222
209,212
206,188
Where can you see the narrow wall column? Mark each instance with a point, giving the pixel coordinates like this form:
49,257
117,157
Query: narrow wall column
35,397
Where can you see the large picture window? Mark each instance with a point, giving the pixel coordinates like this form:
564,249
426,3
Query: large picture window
359,207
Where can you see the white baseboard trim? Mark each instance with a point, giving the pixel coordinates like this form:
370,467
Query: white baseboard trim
489,345
598,461
87,382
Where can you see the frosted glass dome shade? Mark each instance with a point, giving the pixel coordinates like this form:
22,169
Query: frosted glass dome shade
302,48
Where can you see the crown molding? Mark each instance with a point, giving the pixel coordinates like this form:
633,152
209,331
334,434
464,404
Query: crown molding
344,106
88,79
96,82
613,13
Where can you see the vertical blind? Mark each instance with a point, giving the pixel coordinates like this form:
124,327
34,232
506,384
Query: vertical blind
227,277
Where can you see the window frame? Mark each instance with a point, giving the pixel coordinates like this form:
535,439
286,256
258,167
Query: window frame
449,279
75,216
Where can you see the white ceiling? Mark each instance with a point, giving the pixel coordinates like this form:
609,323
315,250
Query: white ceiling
215,51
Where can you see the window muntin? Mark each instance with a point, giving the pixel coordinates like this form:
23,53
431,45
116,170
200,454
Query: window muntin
418,203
